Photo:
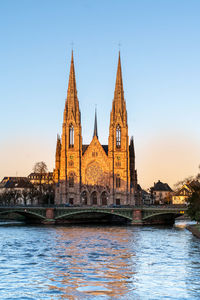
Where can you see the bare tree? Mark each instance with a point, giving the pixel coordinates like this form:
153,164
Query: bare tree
16,195
187,180
25,196
33,194
8,197
198,175
40,168
180,183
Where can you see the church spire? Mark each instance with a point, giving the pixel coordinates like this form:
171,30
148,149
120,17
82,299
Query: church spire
132,148
72,79
119,105
58,152
95,125
119,83
72,106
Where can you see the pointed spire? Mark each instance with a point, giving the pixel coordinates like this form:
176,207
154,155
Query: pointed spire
119,105
58,146
58,153
72,80
95,125
72,106
132,148
119,83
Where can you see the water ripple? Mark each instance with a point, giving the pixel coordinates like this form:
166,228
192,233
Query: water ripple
98,263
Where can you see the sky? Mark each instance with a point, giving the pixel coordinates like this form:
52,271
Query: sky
160,51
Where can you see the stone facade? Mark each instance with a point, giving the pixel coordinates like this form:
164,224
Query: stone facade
95,174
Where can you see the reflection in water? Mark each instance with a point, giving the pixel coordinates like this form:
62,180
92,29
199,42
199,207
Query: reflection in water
99,263
94,261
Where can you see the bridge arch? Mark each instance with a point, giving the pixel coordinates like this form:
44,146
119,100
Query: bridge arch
68,215
25,213
161,217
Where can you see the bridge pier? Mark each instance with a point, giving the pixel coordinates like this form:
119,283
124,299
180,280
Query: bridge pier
137,217
49,217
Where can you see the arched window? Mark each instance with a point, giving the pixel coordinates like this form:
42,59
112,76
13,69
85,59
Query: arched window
94,198
84,198
118,181
71,136
118,136
104,198
71,180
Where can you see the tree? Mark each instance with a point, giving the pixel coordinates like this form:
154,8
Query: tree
46,196
2,199
16,195
180,183
194,205
198,175
8,197
33,194
40,168
25,196
187,180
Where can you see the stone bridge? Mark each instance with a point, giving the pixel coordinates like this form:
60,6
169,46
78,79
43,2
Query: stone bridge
130,215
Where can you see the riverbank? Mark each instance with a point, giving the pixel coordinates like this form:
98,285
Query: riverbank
195,229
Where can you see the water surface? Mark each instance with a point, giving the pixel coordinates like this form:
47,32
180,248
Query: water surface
94,262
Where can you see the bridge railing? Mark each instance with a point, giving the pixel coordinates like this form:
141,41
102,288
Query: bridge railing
103,206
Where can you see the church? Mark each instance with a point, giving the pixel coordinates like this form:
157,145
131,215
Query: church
95,174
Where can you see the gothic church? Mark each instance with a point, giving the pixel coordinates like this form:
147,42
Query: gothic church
95,174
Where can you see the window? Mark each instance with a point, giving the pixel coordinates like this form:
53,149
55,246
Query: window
118,182
117,201
118,136
104,198
71,163
118,164
94,154
71,136
71,180
84,198
94,198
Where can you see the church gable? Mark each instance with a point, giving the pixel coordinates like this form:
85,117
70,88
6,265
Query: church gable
95,151
95,164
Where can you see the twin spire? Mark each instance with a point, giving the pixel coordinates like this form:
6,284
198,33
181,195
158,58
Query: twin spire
72,105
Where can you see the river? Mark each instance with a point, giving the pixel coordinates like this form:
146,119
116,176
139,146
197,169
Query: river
99,262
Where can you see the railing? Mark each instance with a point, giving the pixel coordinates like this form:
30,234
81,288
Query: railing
161,207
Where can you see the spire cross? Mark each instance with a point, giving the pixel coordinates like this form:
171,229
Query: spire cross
119,45
72,44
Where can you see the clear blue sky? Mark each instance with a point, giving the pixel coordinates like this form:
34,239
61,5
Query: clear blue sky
160,51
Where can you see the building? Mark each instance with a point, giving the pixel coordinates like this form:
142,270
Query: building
181,196
44,178
16,190
18,183
147,198
161,193
95,174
